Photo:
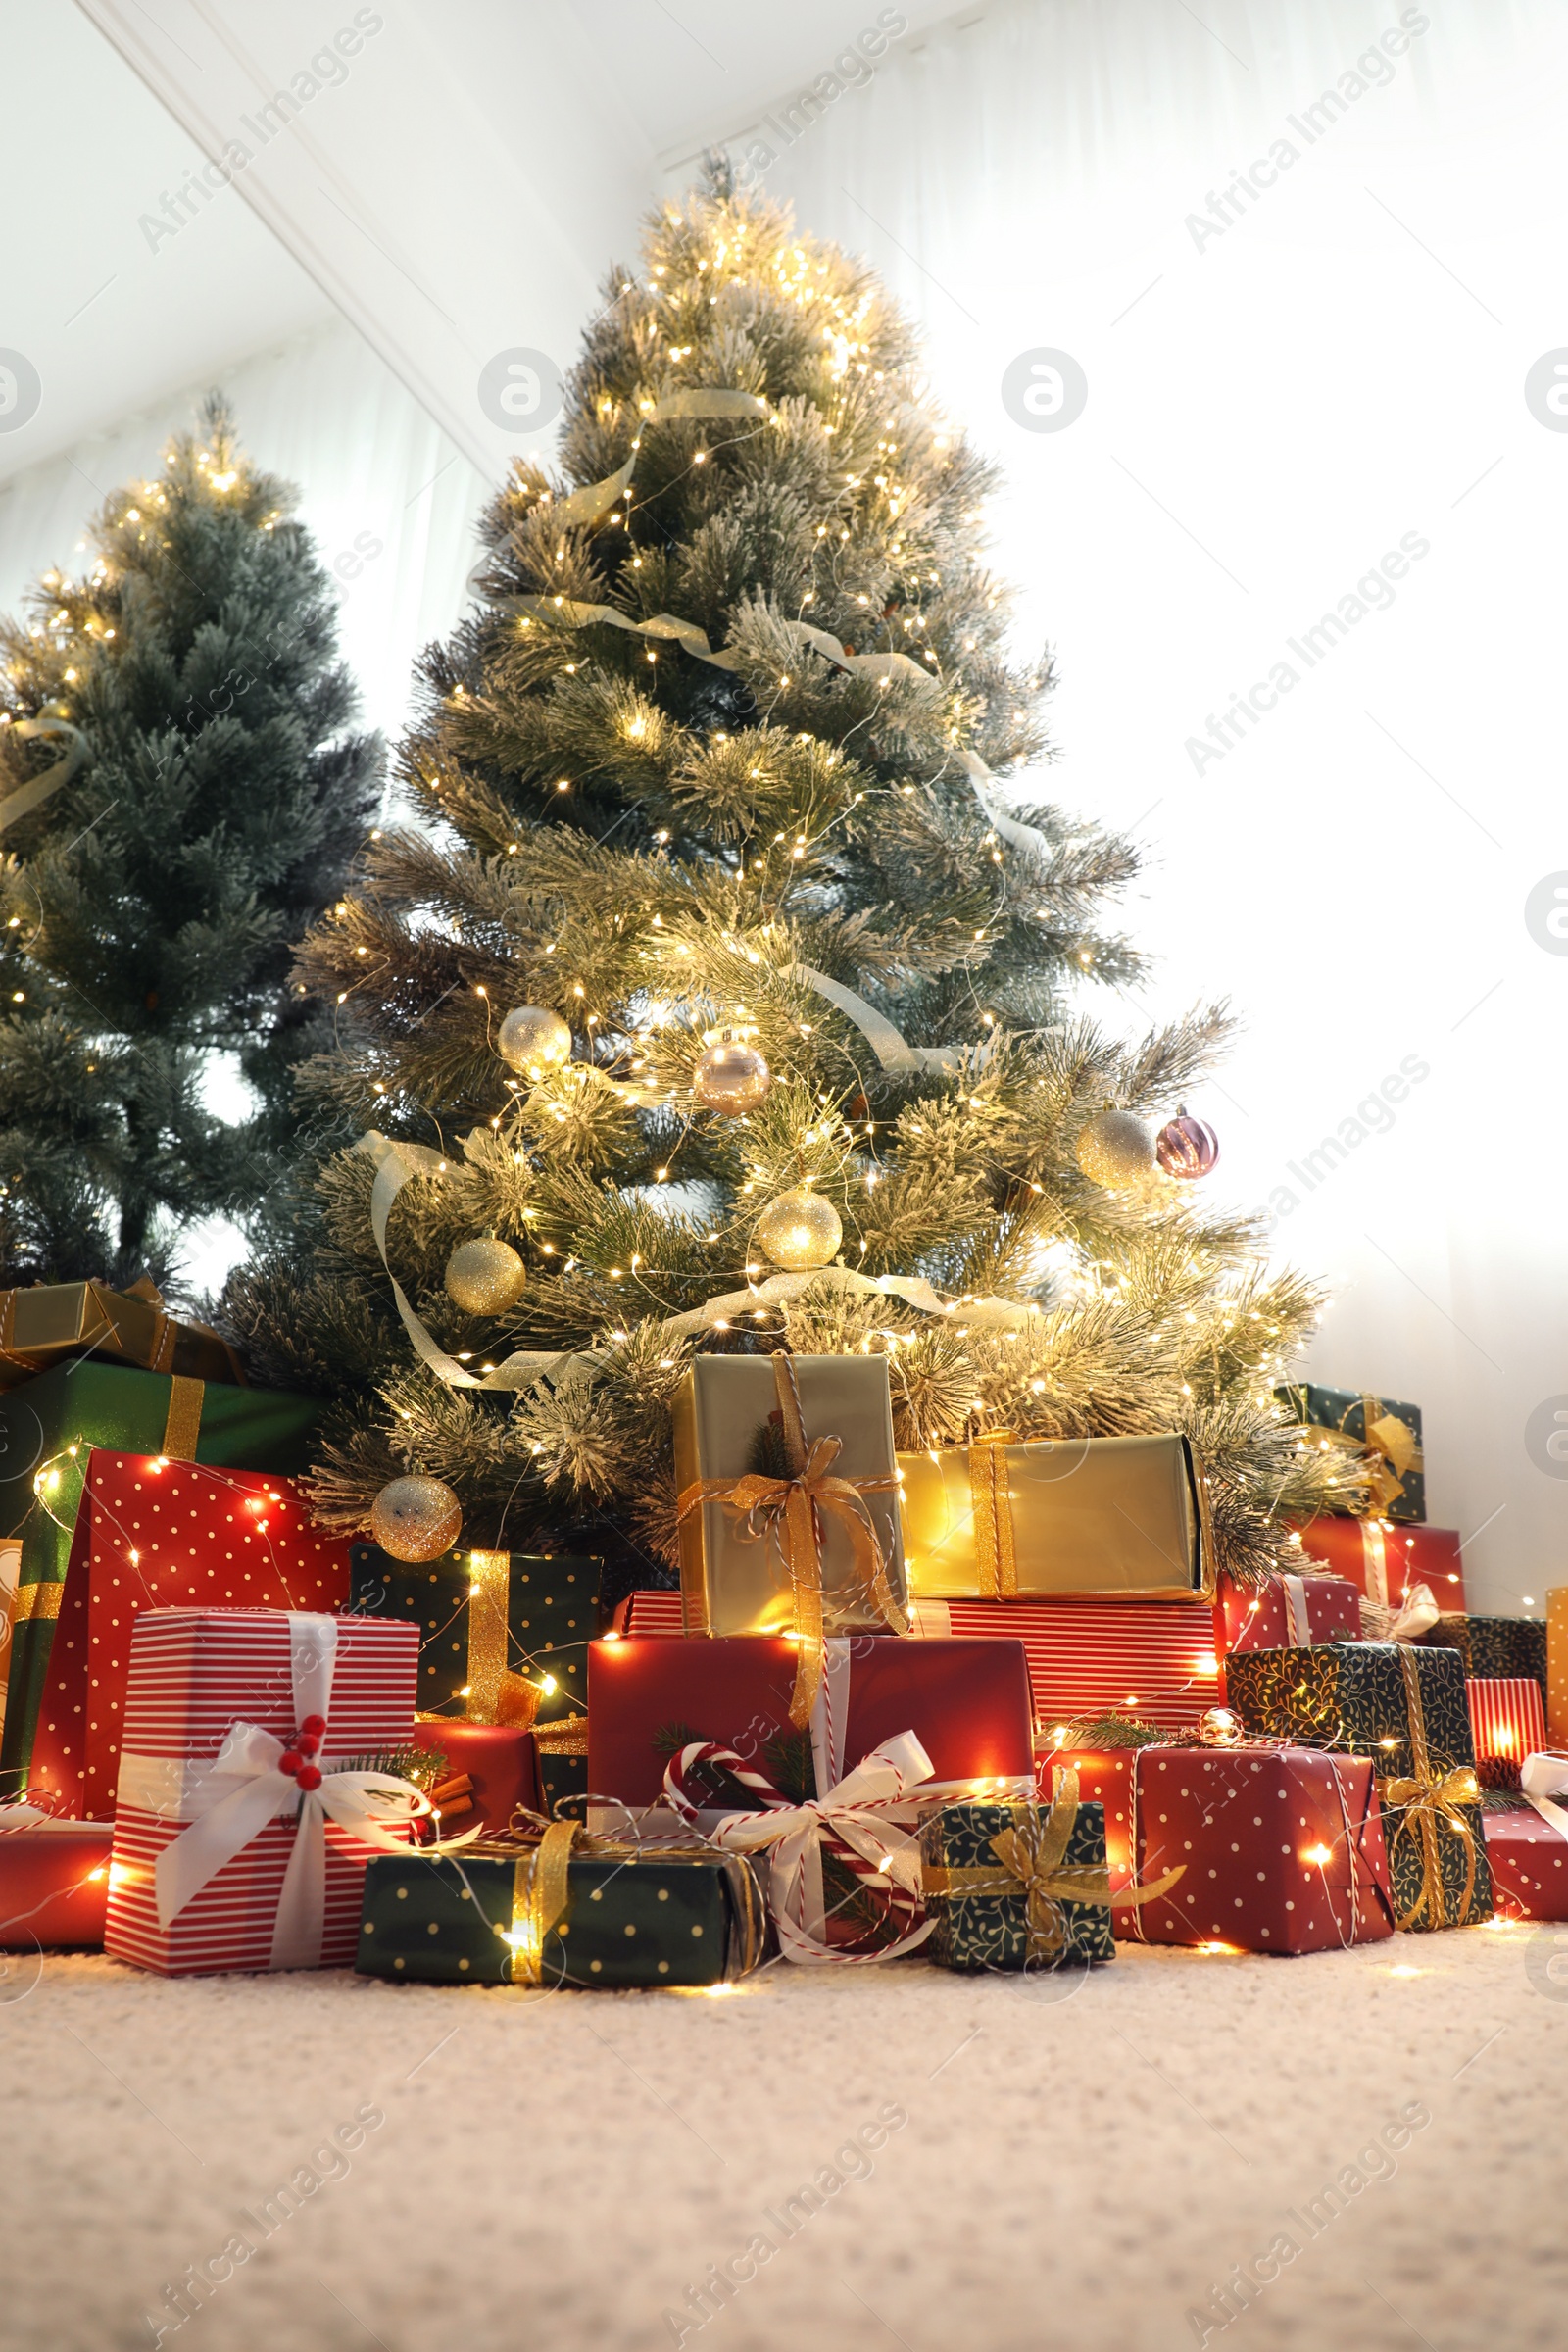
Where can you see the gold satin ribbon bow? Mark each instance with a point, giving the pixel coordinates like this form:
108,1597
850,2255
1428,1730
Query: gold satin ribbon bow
995,1553
1391,1440
789,1512
1425,1797
541,1891
1031,1857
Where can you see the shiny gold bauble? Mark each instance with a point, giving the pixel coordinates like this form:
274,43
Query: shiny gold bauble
800,1230
415,1518
533,1038
731,1077
1116,1150
485,1277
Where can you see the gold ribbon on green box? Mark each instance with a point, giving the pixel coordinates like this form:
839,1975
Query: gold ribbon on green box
1030,1858
1424,1798
541,1889
1392,1440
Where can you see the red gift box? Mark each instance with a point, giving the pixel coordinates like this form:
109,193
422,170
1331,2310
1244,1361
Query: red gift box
498,1761
1507,1718
221,1706
1281,1848
1288,1612
646,1614
968,1703
1156,1660
1384,1561
54,1881
1527,1857
156,1534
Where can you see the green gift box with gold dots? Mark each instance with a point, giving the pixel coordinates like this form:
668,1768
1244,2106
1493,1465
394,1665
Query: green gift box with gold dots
496,1628
610,1914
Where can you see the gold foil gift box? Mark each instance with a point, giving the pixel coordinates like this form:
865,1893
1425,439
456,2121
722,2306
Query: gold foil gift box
1090,1517
788,1487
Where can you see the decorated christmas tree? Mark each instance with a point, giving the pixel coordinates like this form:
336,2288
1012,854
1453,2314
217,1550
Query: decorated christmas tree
181,795
732,991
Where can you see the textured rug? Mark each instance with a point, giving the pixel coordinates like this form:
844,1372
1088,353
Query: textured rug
1362,2149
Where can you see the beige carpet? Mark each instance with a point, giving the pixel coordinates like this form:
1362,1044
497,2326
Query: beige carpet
1082,2163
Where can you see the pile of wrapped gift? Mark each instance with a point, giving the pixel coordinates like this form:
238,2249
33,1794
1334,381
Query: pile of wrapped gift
991,1706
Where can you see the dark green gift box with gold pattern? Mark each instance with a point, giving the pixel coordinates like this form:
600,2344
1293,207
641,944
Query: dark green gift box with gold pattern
605,1914
491,1625
1010,1887
1494,1648
1406,1706
1386,1432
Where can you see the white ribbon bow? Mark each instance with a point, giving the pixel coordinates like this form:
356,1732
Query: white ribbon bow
1543,1776
245,1789
860,1811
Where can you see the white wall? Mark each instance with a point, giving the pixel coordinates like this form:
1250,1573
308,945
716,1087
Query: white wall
1270,409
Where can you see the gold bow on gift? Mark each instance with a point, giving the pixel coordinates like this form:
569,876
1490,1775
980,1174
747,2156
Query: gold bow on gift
789,1513
1391,1441
495,1693
1031,1857
1424,1798
541,1891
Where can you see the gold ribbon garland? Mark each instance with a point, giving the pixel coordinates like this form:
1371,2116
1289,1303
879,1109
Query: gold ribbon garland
789,1512
22,799
1030,1854
1425,1797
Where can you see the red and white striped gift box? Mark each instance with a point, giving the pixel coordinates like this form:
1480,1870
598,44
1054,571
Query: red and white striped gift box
1507,1717
194,1674
1154,1659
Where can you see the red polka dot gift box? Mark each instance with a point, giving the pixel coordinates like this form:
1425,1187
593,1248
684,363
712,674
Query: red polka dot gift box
1527,1845
1280,1848
157,1534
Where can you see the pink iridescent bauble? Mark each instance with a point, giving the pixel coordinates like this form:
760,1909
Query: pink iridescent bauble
1186,1147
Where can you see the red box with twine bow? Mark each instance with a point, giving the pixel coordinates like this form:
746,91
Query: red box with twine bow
157,1534
249,1800
1281,1848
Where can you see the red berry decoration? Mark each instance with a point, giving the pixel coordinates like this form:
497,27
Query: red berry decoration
1186,1147
315,1723
310,1776
291,1761
306,1742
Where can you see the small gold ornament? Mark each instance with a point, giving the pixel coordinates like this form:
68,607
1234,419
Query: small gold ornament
800,1230
486,1276
1116,1150
533,1038
415,1518
731,1077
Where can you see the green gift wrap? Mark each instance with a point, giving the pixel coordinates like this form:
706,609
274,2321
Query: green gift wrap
1011,1887
1389,1432
50,1425
493,1626
1356,1696
571,1910
1494,1648
1406,1708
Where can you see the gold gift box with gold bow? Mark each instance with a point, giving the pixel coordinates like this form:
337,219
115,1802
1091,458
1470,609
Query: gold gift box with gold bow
1091,1518
40,1326
788,1496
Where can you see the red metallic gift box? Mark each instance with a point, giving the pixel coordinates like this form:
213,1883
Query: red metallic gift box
197,1675
1384,1561
156,1534
1281,1848
967,1702
1288,1612
54,1882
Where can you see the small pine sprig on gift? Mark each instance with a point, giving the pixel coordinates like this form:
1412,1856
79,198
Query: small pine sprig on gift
1110,1731
425,1766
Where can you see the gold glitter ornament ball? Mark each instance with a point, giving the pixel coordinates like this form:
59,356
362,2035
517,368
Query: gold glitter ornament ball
731,1077
415,1518
800,1230
533,1038
1115,1148
485,1277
